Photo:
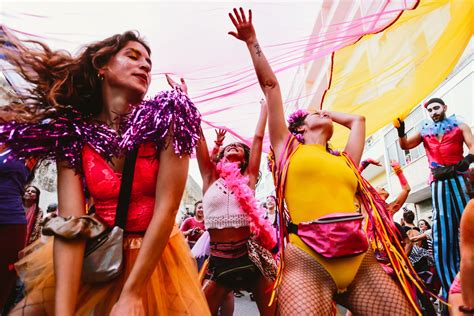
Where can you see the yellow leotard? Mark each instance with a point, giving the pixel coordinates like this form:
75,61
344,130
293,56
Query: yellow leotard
319,184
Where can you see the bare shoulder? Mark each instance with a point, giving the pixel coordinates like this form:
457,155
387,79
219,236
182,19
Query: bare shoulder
464,127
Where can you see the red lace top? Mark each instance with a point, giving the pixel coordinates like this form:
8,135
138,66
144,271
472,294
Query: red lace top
104,186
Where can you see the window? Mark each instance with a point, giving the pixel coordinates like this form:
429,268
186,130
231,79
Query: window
392,143
369,142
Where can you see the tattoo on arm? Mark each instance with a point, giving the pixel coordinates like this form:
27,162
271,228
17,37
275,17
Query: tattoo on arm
259,51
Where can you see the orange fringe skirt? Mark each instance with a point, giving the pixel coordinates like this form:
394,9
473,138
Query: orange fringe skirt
173,288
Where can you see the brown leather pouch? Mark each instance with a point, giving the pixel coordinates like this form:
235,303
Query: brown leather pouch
72,227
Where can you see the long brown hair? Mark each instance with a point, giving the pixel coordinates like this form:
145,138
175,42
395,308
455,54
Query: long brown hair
38,193
59,79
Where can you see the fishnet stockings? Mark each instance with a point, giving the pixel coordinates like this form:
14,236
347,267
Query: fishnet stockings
373,292
308,289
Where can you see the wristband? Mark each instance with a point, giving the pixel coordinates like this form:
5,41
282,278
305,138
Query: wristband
397,169
219,144
363,165
401,177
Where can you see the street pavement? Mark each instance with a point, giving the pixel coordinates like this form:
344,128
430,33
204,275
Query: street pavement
244,306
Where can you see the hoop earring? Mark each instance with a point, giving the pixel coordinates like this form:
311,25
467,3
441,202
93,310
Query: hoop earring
100,76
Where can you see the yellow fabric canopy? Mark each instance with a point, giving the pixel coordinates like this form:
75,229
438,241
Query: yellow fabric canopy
385,75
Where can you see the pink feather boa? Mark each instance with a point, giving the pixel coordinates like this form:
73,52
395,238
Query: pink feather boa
238,184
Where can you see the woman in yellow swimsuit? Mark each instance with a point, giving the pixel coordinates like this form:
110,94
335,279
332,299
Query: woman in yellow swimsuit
319,183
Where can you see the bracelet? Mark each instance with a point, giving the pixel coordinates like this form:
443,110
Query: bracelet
219,144
397,170
466,310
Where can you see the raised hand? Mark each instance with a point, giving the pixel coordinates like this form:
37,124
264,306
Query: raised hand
395,164
182,87
400,126
369,161
220,136
374,162
245,30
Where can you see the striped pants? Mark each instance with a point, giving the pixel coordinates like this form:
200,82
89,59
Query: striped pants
449,199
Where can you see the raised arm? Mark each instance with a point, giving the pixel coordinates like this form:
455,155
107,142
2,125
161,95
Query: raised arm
220,136
405,141
206,167
394,206
266,78
356,141
68,255
256,149
169,190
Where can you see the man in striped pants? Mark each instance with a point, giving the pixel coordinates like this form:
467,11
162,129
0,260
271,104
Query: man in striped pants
443,138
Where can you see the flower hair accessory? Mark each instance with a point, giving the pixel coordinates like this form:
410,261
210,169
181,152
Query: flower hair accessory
296,116
296,119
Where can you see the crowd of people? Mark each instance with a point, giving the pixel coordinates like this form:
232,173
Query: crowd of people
325,237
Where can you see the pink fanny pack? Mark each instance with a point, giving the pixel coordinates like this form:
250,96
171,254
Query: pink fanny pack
334,235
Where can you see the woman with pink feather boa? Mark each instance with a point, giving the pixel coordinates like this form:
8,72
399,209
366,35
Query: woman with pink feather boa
235,222
241,240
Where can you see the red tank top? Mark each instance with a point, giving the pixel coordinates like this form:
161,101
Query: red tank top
104,186
447,151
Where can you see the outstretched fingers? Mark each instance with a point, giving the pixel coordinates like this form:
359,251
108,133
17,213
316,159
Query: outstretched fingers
234,21
220,131
233,34
239,17
183,87
242,14
244,30
171,82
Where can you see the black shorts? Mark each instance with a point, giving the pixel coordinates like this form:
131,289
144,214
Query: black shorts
234,273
